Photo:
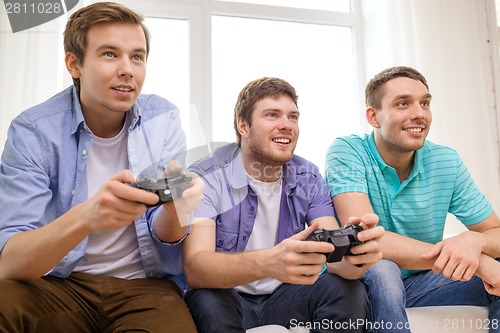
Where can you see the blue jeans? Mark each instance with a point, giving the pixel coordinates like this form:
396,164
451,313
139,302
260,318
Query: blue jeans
390,294
332,304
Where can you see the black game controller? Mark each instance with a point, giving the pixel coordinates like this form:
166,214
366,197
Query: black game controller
343,239
166,189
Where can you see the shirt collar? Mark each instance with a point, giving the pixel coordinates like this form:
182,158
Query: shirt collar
136,114
417,159
78,119
237,173
375,153
417,163
238,178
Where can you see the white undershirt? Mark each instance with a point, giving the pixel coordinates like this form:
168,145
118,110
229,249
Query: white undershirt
111,252
265,230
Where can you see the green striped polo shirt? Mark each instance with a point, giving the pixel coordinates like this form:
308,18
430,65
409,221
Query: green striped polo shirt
417,208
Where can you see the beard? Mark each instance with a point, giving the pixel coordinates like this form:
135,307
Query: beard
267,156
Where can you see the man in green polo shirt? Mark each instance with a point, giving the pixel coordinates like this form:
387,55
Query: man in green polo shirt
411,184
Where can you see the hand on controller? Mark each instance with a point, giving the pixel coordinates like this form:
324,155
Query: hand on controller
343,240
167,188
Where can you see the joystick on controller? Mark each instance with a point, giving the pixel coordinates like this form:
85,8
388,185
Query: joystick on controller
167,189
343,239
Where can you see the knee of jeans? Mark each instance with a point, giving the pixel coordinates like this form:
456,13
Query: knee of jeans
345,295
212,300
384,278
330,284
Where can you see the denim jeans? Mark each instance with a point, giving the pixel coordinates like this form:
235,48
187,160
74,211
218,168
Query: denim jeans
390,294
332,304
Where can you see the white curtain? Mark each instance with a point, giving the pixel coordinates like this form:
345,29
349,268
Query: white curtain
448,41
31,68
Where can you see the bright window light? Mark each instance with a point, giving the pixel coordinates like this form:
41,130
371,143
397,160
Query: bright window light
331,5
168,64
316,59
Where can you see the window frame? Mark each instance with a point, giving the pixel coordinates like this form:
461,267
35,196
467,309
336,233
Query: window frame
199,14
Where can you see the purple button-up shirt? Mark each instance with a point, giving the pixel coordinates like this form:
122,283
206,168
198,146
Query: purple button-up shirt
232,204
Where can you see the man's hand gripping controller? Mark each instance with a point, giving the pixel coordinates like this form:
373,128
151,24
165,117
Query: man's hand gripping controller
343,239
167,188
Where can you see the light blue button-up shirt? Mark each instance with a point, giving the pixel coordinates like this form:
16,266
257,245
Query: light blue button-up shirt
42,171
231,203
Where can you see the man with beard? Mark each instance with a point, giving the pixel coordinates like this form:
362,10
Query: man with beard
246,259
412,184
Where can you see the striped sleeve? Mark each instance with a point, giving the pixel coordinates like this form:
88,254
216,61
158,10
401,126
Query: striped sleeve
468,203
345,171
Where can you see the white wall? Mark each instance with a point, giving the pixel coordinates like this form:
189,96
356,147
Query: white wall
450,42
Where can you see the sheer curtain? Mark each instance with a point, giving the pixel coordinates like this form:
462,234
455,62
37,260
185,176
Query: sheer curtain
450,42
31,68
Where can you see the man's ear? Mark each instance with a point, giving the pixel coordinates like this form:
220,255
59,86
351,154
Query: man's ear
371,117
243,128
72,65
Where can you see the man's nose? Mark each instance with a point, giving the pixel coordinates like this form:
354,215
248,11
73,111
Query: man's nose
126,68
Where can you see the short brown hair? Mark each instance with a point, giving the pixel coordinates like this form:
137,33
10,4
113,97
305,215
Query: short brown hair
256,91
79,23
375,88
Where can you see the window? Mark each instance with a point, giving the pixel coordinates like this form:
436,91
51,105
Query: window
205,52
316,59
333,5
168,63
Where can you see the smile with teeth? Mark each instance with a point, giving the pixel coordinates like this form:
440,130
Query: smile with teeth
281,140
414,130
123,89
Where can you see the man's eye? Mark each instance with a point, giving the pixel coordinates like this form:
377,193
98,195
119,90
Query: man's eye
109,54
137,58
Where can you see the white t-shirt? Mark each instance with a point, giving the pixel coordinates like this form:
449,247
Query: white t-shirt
111,252
265,230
